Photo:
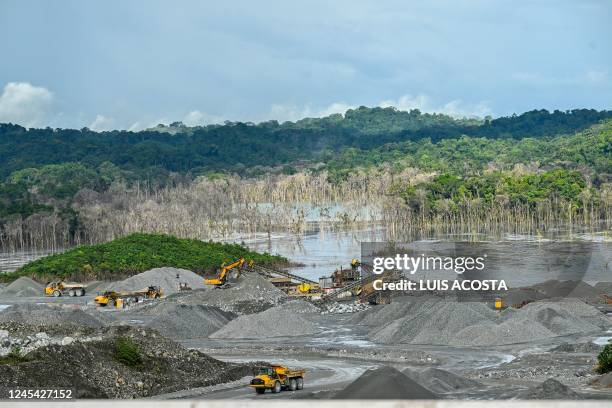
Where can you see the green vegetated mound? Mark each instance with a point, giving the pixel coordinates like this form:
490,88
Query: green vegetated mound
136,253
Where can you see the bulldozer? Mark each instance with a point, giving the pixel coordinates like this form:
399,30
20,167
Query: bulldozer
121,299
59,288
277,378
221,279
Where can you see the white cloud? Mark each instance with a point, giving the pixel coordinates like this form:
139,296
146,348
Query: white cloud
456,108
25,104
102,123
198,118
293,113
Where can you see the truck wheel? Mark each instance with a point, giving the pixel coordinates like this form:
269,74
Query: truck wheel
277,387
71,293
300,383
292,384
81,292
260,390
57,293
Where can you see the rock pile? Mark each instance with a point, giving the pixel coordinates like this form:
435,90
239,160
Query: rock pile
23,287
252,293
166,278
49,315
604,381
549,390
344,307
587,348
28,343
441,381
94,370
286,320
436,321
384,383
568,289
179,321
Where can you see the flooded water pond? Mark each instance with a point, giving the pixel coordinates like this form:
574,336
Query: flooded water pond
520,259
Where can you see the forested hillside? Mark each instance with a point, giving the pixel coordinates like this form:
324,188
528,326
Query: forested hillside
59,179
242,147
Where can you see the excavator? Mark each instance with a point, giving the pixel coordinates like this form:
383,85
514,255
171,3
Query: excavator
220,280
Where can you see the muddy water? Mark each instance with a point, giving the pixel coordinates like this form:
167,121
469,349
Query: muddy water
11,260
522,260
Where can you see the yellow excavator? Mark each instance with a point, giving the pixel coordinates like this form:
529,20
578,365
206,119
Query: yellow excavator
220,280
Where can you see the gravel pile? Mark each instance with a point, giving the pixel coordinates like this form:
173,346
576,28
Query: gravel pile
384,383
435,321
569,289
387,313
586,348
23,287
538,320
604,287
93,371
432,321
286,320
252,293
441,381
518,296
549,390
178,321
40,314
604,381
98,286
164,277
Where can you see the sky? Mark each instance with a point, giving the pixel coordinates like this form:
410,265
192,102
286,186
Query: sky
131,64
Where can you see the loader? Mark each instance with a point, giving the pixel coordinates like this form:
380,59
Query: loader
121,299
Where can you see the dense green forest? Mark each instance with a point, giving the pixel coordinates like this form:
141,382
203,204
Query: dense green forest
49,176
245,147
137,253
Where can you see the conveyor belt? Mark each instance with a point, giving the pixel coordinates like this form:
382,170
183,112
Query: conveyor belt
264,270
334,294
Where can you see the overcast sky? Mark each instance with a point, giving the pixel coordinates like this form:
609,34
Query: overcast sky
131,64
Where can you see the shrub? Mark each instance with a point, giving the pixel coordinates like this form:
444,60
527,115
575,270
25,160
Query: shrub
127,352
605,360
13,357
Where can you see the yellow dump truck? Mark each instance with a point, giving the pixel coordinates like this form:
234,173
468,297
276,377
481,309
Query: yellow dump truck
121,299
59,288
277,378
